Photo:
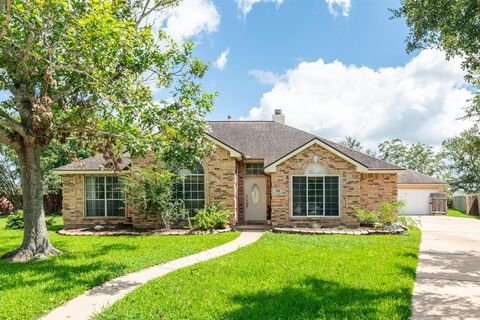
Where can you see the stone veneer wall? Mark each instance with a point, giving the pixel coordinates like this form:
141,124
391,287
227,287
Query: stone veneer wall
349,188
73,205
376,188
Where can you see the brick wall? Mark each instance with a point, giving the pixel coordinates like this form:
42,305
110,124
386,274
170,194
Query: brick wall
220,186
349,188
376,188
73,204
221,181
241,191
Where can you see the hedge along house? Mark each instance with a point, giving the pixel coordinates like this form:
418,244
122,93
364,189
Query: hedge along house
263,171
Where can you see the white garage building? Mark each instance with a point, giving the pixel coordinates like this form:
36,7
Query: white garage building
415,188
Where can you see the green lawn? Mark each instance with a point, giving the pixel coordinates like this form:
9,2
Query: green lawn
287,277
28,291
460,214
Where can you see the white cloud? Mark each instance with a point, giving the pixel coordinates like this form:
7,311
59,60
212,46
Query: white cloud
189,18
265,77
245,6
416,102
344,5
222,60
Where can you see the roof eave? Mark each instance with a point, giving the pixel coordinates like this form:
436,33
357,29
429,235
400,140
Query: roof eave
233,153
272,167
90,172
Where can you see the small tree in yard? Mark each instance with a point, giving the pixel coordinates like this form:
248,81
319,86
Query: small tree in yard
151,191
75,69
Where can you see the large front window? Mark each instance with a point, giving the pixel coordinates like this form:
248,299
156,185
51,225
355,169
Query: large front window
105,197
191,189
315,196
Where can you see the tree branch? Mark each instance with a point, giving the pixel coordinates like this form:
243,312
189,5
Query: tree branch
7,17
6,138
8,121
157,7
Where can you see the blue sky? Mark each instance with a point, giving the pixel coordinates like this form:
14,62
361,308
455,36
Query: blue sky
335,67
276,38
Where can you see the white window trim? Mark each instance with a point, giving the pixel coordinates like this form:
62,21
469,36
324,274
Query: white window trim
104,200
204,188
315,216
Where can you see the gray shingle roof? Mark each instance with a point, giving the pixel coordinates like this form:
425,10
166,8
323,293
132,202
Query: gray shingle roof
413,177
267,140
271,141
95,163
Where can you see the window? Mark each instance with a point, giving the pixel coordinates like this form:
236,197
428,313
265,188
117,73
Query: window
255,169
104,197
315,196
191,189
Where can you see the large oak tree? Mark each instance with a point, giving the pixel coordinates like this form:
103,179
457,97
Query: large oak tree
76,69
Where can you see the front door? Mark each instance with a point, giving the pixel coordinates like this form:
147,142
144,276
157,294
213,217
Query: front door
255,199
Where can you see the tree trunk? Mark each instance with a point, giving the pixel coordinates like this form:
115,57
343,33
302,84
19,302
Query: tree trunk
35,243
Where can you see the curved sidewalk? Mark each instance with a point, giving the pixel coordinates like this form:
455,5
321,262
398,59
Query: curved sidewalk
95,300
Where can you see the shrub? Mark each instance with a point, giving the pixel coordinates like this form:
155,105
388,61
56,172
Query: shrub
388,211
15,220
368,218
386,214
407,222
211,217
151,190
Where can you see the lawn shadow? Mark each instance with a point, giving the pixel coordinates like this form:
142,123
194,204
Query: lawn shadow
82,269
314,298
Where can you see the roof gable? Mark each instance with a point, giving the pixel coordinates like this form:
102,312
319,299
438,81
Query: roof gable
272,141
273,166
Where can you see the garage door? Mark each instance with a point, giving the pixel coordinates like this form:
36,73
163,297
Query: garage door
417,200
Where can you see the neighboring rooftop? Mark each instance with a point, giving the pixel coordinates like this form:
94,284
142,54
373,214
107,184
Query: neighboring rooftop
413,177
95,163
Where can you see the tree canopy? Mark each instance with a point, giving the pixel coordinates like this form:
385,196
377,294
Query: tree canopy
77,70
463,160
451,25
416,156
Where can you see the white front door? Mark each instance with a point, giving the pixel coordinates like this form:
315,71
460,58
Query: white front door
255,199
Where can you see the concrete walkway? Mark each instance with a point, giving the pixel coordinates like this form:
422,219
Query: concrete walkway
448,275
95,300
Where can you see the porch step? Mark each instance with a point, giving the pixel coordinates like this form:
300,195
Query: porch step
252,227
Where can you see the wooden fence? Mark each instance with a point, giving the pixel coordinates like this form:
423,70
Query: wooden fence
468,203
52,203
438,203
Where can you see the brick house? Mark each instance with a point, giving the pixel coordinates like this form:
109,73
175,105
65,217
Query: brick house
263,171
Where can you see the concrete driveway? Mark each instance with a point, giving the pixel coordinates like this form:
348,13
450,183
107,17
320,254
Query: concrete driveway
448,275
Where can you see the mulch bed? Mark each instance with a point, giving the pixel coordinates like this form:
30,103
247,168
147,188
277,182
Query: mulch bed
356,231
137,232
